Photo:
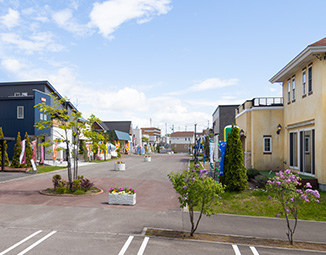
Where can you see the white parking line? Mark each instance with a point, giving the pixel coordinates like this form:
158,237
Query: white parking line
126,245
19,243
254,251
143,246
37,243
236,249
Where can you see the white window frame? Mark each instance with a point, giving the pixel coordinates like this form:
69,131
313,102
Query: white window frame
297,136
16,94
293,88
289,91
304,82
20,112
270,144
24,94
45,117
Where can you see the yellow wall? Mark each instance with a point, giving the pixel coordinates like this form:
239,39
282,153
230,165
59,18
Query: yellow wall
307,109
257,122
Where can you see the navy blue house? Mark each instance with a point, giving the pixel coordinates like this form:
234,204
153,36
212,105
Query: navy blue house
17,111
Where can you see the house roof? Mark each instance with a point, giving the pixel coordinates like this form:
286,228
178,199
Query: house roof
182,134
33,83
301,60
123,126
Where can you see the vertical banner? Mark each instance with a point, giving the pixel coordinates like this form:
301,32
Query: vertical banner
127,147
222,148
22,157
54,156
34,150
42,155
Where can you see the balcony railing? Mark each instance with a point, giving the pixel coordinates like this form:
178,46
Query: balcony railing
267,101
260,102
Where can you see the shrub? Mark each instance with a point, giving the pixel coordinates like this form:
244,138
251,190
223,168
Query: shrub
235,177
86,184
196,189
261,180
79,192
62,188
17,151
252,173
285,187
56,179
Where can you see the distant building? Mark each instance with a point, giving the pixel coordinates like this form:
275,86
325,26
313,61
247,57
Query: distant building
153,134
182,141
223,116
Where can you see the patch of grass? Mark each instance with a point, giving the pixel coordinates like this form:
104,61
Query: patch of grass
271,174
256,203
50,191
45,169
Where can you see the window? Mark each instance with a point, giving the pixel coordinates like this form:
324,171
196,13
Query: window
294,149
41,116
293,89
45,117
289,91
24,94
20,112
304,80
267,140
16,94
310,80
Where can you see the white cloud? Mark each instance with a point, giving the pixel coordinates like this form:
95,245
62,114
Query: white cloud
11,19
109,15
35,43
213,83
12,64
65,20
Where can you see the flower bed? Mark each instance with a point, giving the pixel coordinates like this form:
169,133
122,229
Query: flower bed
148,159
122,196
120,166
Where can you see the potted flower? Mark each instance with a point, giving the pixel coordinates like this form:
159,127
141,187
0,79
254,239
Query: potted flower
122,196
119,165
147,158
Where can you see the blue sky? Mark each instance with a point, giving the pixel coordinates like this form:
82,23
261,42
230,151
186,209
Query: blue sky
165,62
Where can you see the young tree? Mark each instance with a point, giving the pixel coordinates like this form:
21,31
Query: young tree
94,135
5,150
235,173
196,189
285,187
29,151
17,151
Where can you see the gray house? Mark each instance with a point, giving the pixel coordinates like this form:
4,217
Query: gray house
223,115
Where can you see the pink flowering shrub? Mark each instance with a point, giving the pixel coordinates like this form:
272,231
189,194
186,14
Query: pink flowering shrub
285,188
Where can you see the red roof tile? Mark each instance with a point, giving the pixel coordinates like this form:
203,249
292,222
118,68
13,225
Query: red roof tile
182,134
321,42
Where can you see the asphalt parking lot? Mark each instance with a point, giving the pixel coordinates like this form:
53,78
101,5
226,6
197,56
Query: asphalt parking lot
88,225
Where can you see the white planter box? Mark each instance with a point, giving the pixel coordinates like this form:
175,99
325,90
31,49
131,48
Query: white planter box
125,199
147,159
119,167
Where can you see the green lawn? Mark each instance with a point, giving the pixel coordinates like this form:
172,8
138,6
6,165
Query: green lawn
45,169
256,203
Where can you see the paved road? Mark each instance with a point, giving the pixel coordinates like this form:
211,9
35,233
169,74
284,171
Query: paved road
88,225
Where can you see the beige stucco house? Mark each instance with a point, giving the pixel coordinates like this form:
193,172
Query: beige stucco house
290,132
